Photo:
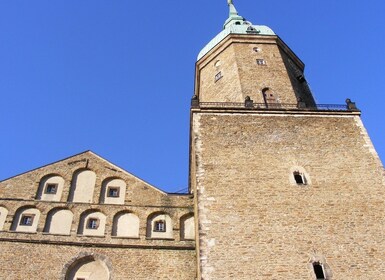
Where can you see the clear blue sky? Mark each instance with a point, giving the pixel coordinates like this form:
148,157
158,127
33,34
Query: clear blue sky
116,77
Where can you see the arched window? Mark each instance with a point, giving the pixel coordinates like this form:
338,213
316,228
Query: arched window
59,221
26,219
270,98
88,268
159,225
113,191
187,227
92,223
3,216
50,188
82,187
126,225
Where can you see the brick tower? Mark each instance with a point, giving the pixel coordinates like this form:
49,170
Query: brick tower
284,188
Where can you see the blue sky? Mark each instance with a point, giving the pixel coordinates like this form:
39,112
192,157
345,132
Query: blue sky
116,77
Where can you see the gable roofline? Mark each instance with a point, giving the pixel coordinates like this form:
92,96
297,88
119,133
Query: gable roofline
93,154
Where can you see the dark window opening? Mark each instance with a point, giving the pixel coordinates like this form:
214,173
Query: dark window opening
238,23
160,226
113,192
319,271
26,220
93,223
299,178
51,189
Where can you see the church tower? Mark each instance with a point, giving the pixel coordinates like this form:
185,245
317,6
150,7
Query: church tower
284,188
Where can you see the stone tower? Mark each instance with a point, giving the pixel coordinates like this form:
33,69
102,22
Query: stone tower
284,188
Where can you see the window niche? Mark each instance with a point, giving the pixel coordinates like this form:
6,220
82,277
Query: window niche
26,219
92,223
113,191
50,188
59,221
125,225
3,216
159,226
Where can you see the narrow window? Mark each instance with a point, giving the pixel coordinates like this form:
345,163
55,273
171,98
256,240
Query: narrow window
93,223
218,76
26,220
113,191
51,188
318,271
299,178
261,62
160,226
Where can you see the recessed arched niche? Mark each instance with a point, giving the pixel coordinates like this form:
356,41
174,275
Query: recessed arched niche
159,225
82,187
88,268
92,223
187,227
26,219
113,191
59,221
126,225
3,216
50,188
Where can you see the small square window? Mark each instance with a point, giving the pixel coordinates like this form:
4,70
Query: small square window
113,192
261,62
93,223
218,76
51,188
160,226
26,220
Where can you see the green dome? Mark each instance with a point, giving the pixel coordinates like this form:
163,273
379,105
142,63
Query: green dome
235,24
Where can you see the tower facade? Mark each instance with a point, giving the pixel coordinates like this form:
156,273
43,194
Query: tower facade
284,188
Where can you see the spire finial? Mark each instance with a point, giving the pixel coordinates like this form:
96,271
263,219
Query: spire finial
233,14
233,11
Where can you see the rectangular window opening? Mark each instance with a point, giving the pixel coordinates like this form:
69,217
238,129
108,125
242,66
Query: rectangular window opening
319,271
261,62
113,191
51,188
26,220
93,223
160,226
218,76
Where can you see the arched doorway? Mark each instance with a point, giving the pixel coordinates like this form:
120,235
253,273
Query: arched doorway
88,268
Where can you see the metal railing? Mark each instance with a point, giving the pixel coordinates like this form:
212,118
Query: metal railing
249,105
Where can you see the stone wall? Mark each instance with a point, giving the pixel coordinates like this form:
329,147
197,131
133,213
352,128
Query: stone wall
256,222
32,250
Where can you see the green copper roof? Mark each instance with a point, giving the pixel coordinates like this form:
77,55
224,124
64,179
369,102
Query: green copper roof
235,24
